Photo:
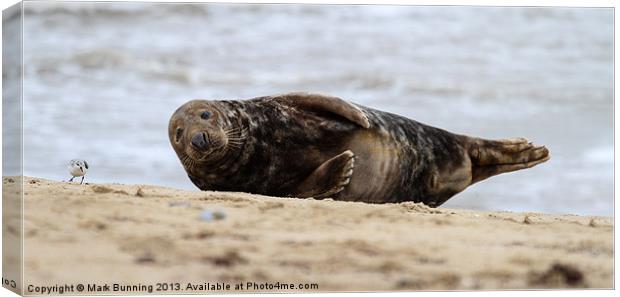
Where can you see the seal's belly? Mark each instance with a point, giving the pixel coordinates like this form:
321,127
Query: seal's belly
377,173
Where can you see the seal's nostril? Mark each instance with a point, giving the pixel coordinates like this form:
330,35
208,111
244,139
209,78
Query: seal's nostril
199,140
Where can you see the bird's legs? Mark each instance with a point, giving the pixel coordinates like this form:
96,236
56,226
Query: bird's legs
82,180
71,179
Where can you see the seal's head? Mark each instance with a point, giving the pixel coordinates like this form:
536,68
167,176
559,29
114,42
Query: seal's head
201,132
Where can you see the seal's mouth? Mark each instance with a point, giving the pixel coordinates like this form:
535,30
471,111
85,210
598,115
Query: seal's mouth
191,158
197,156
206,146
203,147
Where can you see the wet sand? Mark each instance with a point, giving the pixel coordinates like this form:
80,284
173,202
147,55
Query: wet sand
143,234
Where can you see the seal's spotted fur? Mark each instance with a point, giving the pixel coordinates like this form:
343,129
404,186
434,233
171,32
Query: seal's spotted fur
312,145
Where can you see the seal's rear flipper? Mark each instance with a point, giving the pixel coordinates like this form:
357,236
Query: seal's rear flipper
325,103
493,157
328,179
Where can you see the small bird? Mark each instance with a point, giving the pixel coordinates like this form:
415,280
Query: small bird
77,168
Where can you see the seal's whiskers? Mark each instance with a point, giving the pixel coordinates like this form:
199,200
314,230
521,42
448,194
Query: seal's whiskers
187,161
236,136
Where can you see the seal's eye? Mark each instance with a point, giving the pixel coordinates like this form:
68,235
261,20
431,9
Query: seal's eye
205,115
179,134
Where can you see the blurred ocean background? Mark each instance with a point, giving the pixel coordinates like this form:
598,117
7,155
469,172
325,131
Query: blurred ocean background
102,79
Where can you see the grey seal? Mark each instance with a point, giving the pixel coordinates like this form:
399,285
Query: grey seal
314,145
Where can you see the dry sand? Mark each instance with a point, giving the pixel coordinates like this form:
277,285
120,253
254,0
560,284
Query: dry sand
142,234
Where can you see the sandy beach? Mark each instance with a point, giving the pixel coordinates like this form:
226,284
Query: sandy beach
144,234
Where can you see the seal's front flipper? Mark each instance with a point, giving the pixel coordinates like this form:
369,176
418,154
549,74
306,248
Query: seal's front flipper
328,179
492,157
327,103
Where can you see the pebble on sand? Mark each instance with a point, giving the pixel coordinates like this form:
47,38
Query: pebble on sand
210,216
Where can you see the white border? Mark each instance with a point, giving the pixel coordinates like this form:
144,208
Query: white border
563,3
